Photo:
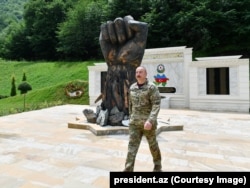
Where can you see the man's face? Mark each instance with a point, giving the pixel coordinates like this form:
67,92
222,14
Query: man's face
140,74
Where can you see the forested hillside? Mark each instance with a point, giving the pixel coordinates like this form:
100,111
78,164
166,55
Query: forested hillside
69,30
10,11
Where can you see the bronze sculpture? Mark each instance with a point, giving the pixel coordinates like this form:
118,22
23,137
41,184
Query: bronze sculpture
123,43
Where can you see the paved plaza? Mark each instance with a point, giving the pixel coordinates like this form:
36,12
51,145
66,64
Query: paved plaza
38,150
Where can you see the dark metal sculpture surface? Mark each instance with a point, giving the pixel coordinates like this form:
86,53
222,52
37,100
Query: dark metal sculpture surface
123,43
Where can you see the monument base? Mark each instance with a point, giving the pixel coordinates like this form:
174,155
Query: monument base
116,130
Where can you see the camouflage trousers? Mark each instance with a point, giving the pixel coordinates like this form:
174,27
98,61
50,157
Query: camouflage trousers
136,132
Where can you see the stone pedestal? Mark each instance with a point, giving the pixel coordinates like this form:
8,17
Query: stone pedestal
116,130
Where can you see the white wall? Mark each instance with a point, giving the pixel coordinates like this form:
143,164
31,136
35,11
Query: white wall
189,79
236,101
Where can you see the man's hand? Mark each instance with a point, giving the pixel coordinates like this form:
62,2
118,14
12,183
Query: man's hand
123,41
147,125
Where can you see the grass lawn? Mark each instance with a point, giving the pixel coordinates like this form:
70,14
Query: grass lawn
49,81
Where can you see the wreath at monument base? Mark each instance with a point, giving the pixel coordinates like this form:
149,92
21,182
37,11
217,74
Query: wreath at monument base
74,90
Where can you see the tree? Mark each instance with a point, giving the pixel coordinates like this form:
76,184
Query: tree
13,87
10,11
42,19
24,77
231,28
24,87
78,35
209,27
17,46
121,8
60,29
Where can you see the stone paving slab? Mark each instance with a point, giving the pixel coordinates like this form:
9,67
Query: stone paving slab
38,150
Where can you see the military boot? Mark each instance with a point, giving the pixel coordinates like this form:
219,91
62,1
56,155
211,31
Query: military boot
157,168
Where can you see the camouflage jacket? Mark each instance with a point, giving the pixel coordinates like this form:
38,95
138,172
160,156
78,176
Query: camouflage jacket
144,102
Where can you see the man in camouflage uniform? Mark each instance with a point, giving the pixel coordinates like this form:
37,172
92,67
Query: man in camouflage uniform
144,106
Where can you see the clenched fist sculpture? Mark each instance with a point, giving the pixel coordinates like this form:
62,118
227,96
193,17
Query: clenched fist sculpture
123,43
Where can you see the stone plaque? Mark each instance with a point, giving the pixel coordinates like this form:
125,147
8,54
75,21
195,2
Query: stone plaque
167,89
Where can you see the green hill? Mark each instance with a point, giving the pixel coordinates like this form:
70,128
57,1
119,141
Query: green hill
49,82
11,11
